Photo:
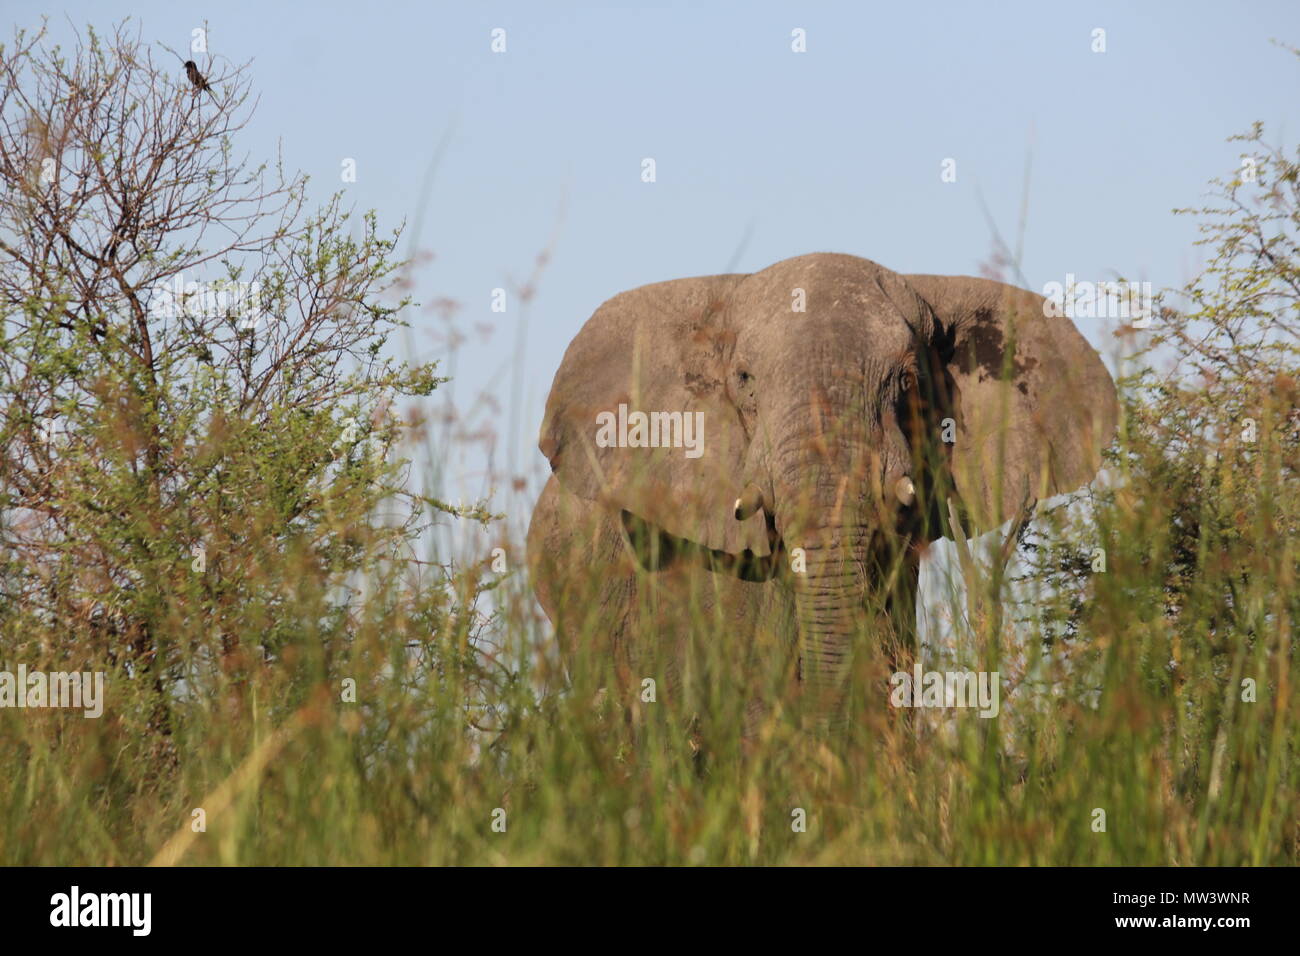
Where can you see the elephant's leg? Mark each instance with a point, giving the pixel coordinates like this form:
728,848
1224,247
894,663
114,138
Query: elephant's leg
901,644
621,592
900,606
771,656
623,598
543,528
585,580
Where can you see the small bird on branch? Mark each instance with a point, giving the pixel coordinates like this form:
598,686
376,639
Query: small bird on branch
196,78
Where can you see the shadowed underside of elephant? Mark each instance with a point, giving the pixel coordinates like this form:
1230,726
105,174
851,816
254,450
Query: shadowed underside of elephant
747,468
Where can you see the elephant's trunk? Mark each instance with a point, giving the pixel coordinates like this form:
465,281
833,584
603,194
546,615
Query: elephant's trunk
828,604
839,495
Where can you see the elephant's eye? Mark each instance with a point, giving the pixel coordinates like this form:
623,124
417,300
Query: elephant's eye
744,377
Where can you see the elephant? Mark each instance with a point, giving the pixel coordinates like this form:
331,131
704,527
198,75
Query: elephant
775,451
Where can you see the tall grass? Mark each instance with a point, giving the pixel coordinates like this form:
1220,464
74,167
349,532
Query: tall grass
462,719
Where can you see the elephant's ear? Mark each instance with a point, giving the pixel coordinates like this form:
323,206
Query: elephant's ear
1033,406
662,351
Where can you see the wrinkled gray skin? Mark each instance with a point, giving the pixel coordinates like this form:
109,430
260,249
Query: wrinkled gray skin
822,421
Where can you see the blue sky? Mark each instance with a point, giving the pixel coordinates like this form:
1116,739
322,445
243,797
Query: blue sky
835,149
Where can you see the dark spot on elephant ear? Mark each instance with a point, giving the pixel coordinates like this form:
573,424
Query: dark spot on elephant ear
988,346
986,343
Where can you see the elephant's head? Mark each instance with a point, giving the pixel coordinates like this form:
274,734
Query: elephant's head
841,404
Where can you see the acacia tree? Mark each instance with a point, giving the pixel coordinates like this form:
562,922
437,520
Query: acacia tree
1211,428
197,418
1172,586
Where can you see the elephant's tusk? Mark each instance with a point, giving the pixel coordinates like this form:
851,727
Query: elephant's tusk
750,500
906,491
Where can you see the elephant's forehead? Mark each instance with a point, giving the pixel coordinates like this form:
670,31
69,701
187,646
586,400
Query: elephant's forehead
831,294
847,344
